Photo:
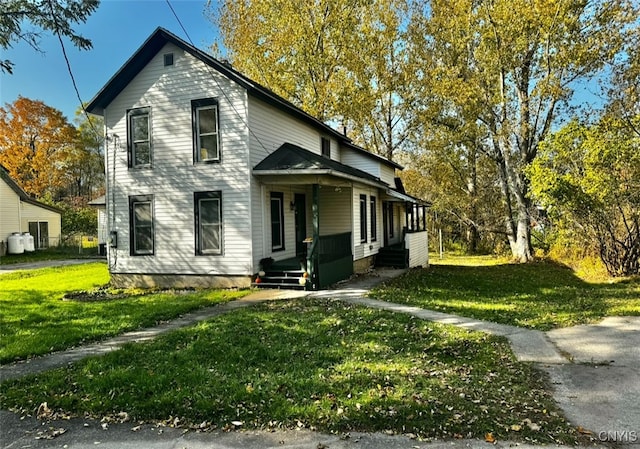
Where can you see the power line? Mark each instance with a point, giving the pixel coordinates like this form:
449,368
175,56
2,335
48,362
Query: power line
73,80
213,76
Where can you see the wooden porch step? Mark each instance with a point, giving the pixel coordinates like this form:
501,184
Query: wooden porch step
287,279
394,256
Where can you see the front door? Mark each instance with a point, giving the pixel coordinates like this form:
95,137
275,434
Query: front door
301,223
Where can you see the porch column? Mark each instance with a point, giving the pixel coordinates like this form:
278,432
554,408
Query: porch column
315,211
312,254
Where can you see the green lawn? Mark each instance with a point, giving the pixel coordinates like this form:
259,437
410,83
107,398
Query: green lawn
541,295
316,364
34,320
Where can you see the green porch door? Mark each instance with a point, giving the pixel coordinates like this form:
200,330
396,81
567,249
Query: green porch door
301,224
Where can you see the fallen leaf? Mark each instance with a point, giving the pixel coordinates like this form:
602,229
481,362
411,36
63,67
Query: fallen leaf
516,428
584,431
489,438
43,411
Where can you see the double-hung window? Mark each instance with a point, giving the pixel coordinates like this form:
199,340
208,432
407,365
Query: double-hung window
363,218
208,220
325,147
206,130
141,226
277,221
139,137
374,218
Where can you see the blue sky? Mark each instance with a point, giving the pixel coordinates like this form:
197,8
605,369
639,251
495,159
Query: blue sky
116,30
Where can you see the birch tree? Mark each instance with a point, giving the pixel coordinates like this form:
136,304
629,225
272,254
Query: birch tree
509,67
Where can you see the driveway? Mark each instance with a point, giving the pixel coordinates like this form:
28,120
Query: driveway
10,268
600,390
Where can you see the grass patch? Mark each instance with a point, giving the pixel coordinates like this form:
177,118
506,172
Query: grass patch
34,320
323,365
542,295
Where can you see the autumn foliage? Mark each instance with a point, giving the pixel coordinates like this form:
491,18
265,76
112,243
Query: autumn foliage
34,141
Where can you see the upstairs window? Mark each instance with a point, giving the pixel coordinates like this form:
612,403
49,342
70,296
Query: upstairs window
325,147
208,211
139,137
168,59
206,131
141,226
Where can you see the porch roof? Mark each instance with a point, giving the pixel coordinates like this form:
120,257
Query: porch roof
290,159
394,195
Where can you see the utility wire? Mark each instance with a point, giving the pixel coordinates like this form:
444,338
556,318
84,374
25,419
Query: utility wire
73,80
213,76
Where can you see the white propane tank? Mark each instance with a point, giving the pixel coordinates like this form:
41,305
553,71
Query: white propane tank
15,244
29,242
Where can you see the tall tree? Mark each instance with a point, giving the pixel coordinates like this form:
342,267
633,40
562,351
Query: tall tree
589,178
58,16
509,66
84,163
34,141
340,60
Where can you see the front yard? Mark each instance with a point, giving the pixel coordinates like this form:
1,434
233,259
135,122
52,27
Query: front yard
34,320
542,295
309,363
316,364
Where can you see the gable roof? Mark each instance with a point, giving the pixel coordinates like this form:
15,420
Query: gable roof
292,159
158,39
24,197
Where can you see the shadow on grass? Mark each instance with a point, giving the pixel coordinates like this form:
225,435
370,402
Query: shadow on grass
541,295
325,365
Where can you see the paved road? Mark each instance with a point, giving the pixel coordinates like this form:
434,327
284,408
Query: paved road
600,390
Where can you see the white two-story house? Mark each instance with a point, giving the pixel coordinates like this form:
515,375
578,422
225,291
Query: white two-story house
214,180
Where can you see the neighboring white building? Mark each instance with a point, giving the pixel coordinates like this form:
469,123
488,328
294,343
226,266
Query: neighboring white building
211,177
103,232
21,213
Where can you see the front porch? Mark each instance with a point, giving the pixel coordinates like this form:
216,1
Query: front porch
326,220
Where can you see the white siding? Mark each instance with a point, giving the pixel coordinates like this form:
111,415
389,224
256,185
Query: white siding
335,210
371,165
270,128
418,246
9,211
360,161
103,232
174,178
388,174
368,248
31,212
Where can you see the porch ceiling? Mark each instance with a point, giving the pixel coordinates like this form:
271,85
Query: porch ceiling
292,164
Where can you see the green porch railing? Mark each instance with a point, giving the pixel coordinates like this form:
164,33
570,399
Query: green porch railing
329,260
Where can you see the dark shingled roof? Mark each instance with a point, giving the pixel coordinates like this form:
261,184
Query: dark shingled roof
292,157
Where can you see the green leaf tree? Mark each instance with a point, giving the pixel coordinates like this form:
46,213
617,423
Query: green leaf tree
58,16
588,176
508,66
342,61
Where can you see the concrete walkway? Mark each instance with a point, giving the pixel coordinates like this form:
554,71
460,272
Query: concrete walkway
599,397
63,358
